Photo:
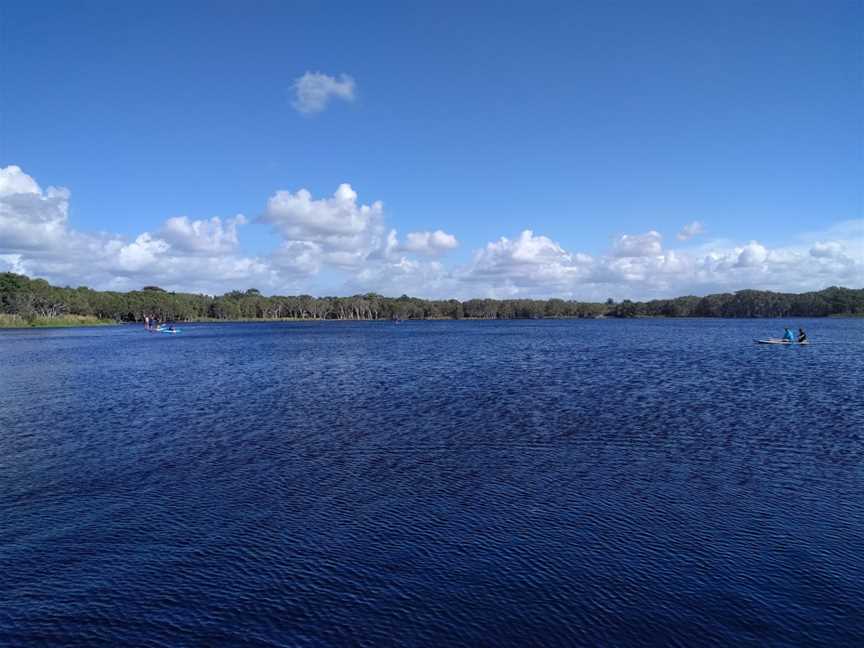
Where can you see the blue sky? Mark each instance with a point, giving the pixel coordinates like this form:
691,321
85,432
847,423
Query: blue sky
581,122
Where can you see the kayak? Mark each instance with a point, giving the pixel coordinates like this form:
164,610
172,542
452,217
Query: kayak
162,330
778,341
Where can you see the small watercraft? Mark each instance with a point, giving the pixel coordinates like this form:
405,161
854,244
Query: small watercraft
162,329
778,341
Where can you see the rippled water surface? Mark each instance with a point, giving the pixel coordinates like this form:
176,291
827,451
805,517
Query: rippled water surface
555,483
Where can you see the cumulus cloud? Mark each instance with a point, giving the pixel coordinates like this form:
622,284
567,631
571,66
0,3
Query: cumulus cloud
299,215
297,258
527,250
37,239
639,268
429,243
537,266
213,236
403,275
346,242
827,250
752,255
529,263
29,217
314,90
14,181
338,230
696,228
638,245
337,233
142,253
342,233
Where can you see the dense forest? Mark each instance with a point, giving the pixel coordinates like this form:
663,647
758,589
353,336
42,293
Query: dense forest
29,300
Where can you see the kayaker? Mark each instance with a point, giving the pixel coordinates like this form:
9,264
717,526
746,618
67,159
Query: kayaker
802,336
788,336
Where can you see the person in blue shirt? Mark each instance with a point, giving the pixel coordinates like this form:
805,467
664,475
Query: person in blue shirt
788,335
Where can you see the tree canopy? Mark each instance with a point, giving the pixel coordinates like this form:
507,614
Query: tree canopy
32,298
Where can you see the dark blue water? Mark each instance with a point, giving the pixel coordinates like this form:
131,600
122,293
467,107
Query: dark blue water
554,483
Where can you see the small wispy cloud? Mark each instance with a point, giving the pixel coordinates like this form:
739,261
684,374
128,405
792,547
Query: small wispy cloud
430,243
313,91
638,245
690,230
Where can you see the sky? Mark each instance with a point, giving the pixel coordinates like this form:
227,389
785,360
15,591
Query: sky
583,150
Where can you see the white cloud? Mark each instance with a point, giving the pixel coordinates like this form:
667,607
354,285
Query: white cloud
525,250
342,241
343,232
14,181
336,233
752,255
638,245
528,264
30,217
696,228
391,246
297,258
428,279
298,215
213,236
313,91
639,268
37,239
143,253
827,250
429,243
11,263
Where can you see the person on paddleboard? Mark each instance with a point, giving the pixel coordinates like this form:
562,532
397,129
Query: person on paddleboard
788,336
802,336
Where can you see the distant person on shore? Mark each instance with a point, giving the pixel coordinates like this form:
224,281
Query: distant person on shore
788,336
802,336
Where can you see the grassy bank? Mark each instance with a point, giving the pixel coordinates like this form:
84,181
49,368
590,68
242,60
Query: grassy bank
16,321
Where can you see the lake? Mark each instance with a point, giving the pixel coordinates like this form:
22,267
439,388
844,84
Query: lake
521,483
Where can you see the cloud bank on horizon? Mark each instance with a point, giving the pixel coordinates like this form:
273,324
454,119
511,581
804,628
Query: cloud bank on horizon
352,244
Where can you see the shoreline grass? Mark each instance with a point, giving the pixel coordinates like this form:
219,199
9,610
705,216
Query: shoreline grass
62,321
10,321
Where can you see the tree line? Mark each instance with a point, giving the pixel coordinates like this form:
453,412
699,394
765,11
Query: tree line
33,299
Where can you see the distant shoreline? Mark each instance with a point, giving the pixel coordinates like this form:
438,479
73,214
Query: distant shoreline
26,302
8,323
